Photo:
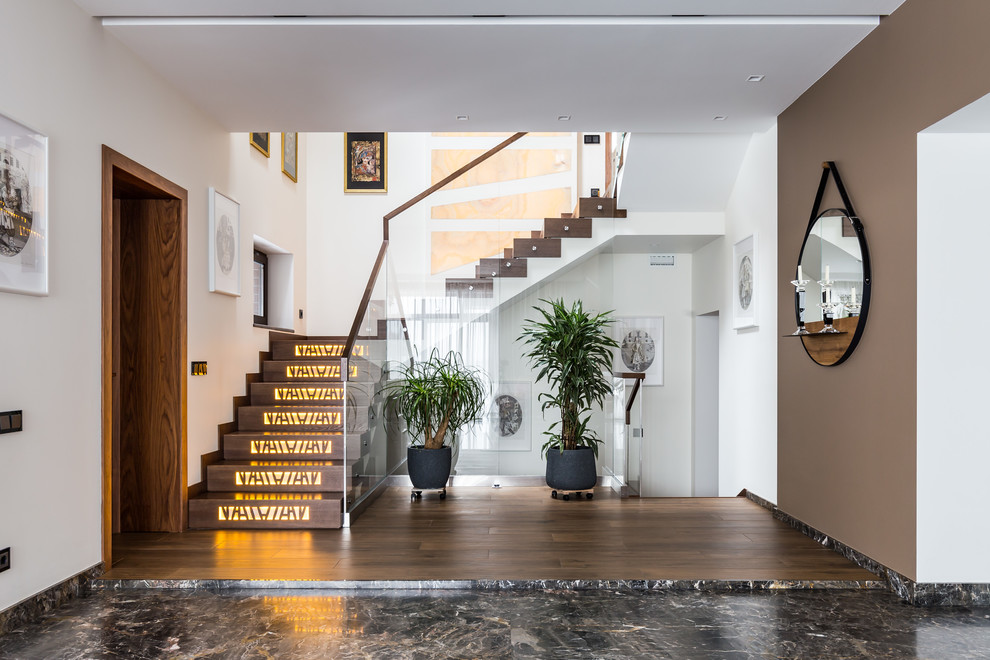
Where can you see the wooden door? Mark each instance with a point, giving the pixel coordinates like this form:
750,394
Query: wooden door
144,350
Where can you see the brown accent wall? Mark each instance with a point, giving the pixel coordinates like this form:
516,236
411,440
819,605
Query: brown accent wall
847,435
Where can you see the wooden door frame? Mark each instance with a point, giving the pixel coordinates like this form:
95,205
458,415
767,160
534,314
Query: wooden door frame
135,177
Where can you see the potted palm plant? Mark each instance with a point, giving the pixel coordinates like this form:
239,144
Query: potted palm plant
436,398
572,351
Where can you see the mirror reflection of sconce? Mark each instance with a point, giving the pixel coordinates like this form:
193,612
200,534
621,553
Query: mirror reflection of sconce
833,281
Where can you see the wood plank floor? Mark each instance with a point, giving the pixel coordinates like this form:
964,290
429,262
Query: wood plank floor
511,534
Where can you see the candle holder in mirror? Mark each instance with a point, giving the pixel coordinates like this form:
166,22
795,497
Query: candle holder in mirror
828,308
799,293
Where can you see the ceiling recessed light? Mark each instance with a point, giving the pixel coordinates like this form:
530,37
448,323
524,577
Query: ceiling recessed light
756,78
462,117
720,118
563,117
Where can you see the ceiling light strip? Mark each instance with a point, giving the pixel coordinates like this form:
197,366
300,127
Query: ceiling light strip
454,21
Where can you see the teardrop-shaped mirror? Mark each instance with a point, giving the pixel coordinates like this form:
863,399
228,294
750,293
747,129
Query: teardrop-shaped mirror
835,263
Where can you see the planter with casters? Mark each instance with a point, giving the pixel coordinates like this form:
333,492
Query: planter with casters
435,397
573,470
572,351
429,469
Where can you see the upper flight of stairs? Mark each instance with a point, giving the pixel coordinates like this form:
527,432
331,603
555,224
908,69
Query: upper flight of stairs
540,245
284,466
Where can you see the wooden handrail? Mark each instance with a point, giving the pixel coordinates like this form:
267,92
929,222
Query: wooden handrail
363,305
366,298
437,186
639,379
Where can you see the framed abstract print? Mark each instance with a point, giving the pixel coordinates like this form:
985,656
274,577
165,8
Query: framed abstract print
365,162
640,349
260,141
290,155
744,283
224,244
23,209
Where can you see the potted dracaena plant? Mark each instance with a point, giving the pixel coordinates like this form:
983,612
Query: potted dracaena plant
436,398
572,351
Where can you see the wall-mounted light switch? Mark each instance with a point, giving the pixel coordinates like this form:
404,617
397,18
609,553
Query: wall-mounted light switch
11,421
4,559
199,368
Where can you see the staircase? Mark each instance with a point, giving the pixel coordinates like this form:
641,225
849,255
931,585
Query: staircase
540,245
284,466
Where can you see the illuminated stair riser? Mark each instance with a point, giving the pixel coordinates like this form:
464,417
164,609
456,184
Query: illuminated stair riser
270,513
301,447
288,478
286,418
309,393
316,371
328,350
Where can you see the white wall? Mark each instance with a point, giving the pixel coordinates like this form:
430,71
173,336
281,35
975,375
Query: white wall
592,165
83,89
680,172
953,452
706,364
345,229
644,290
748,371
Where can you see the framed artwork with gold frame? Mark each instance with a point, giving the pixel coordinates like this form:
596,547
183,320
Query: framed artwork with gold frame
365,162
290,155
260,141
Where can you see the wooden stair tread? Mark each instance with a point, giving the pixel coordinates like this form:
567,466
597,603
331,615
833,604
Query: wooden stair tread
531,248
502,268
271,463
567,227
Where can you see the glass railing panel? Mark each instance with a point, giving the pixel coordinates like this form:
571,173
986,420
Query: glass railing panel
634,441
613,456
371,453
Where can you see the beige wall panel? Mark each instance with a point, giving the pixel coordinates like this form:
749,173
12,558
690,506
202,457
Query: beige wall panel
450,249
524,206
847,434
506,165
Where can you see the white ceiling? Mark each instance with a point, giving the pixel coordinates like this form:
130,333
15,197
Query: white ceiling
635,65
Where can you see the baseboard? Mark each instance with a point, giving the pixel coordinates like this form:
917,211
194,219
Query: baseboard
922,594
33,608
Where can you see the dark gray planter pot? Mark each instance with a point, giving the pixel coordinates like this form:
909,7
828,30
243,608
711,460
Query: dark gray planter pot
572,469
429,469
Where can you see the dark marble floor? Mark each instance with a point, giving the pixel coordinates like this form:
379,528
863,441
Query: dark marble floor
492,624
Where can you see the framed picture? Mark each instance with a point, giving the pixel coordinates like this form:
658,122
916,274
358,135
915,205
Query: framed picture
365,162
23,209
744,283
260,142
640,347
290,155
508,417
225,242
